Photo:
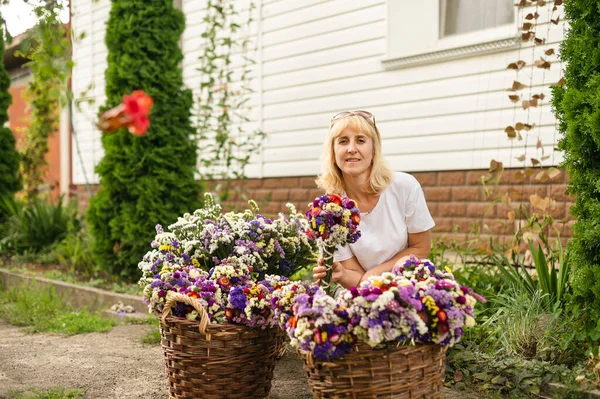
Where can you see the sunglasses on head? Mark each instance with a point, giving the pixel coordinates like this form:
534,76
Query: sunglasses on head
344,114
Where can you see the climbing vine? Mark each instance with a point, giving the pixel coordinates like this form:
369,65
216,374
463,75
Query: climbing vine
226,144
50,65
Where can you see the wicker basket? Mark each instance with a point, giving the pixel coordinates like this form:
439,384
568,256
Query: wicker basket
214,361
399,372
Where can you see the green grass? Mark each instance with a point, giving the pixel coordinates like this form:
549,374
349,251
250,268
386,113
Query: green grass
42,310
152,337
53,393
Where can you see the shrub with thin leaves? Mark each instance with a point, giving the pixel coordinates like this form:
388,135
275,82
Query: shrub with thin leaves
36,226
577,107
145,180
10,181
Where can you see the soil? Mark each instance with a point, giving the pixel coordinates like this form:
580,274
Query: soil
112,365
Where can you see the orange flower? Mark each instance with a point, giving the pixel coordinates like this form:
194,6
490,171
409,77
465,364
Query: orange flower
336,199
356,218
293,322
131,113
193,294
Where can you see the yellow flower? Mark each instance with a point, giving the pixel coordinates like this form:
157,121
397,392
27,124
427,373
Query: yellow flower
165,247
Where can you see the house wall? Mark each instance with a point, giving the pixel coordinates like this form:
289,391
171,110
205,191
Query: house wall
316,58
442,112
456,200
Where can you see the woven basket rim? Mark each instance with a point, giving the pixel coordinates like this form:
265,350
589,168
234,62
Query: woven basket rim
215,326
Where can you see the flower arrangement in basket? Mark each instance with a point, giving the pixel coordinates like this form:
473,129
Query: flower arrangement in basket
392,328
211,278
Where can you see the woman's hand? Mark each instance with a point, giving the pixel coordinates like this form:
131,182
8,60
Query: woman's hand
320,271
402,260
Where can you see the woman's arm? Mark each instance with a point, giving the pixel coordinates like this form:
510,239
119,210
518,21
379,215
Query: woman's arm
347,273
419,245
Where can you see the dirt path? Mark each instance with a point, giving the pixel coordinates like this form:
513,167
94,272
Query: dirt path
111,365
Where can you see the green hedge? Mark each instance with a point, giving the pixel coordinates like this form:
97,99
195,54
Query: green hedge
10,181
144,180
577,106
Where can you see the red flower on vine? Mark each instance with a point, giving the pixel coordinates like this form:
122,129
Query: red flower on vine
131,113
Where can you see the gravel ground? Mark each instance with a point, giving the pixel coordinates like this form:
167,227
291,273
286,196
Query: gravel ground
112,365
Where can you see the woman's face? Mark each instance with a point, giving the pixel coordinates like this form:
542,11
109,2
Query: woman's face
353,152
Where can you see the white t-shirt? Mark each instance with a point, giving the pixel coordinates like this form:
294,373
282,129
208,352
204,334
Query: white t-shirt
401,209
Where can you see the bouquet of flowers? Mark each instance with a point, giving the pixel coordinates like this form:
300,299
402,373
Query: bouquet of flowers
320,325
231,262
332,221
447,306
415,303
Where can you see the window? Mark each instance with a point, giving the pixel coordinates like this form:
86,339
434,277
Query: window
429,31
464,16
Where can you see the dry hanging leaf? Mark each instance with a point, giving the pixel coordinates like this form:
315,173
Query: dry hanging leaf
519,126
516,65
525,37
539,145
521,3
542,63
527,26
514,98
562,82
533,102
541,3
550,51
553,172
555,21
517,86
535,162
510,215
510,132
538,202
545,157
539,41
495,166
521,158
554,8
528,127
525,104
514,194
519,175
542,176
529,172
558,2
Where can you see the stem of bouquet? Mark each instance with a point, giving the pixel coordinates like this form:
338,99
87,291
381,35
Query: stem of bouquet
327,255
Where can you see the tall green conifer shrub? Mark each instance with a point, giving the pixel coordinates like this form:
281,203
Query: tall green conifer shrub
144,180
577,106
10,181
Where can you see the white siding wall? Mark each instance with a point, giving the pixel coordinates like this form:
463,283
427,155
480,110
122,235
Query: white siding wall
89,54
320,57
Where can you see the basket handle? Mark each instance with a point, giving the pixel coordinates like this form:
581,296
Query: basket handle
174,297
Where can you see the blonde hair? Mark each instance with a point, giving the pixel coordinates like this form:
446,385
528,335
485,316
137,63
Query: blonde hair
331,179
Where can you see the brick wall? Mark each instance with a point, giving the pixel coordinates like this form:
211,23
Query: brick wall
18,119
455,199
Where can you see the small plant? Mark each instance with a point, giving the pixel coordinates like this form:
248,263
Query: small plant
53,393
552,284
36,226
42,310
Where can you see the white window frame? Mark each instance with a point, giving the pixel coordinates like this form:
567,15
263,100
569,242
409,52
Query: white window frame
417,25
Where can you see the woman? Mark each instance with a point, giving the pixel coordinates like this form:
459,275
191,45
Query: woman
395,221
